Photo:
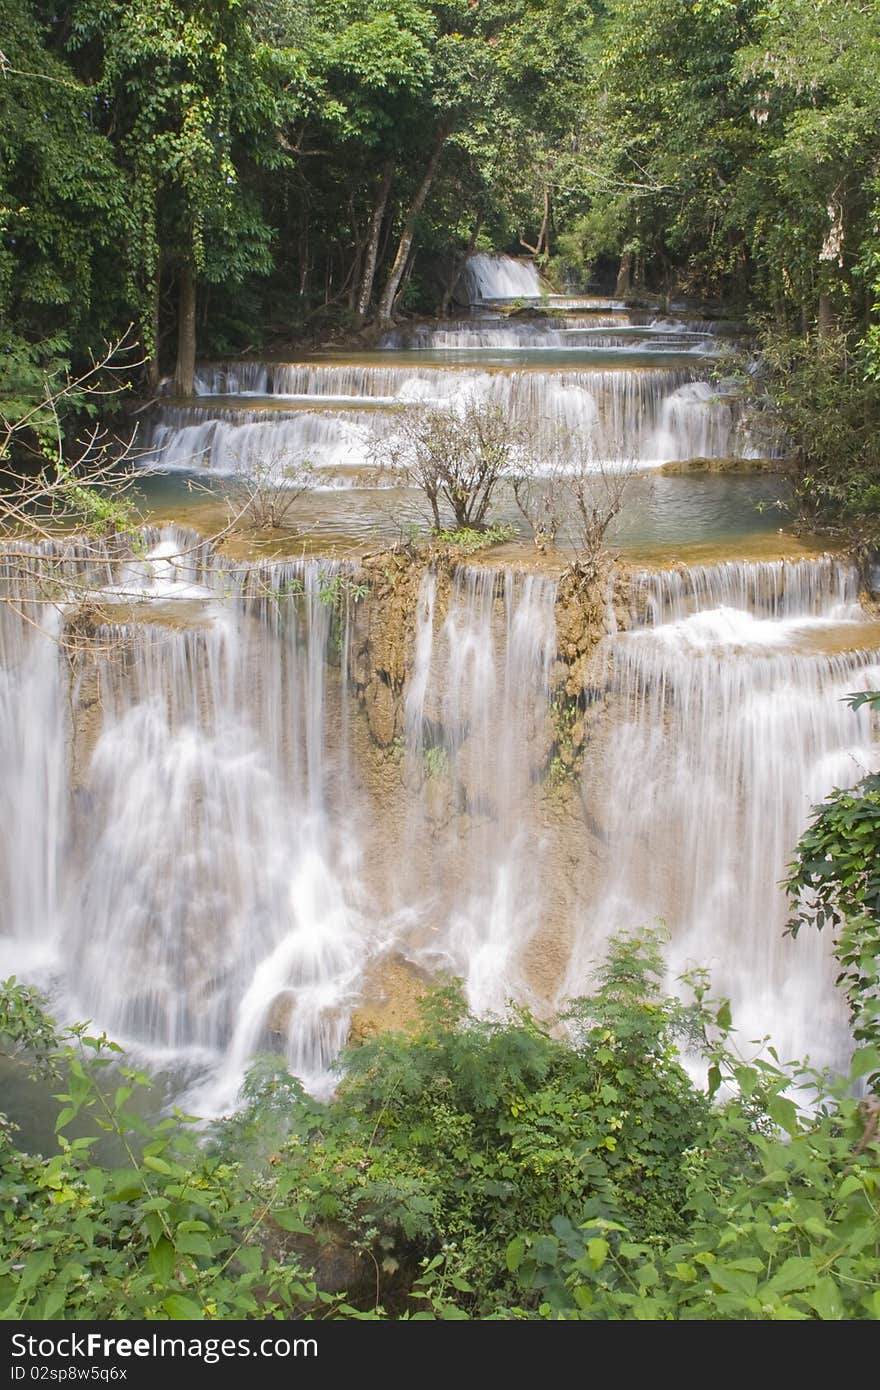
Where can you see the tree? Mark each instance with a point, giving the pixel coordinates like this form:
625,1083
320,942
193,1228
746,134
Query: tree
573,497
267,494
192,103
811,398
671,132
86,485
457,457
64,208
476,1169
812,196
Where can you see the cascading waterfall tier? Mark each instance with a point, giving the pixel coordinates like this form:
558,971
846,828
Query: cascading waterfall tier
258,443
348,415
725,722
569,332
615,386
190,855
476,740
191,883
500,277
771,588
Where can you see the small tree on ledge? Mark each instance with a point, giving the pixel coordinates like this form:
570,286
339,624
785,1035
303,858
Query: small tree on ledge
458,456
573,499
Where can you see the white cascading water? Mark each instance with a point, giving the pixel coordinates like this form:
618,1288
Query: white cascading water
34,789
631,388
180,834
187,851
230,442
640,417
500,277
197,893
725,723
573,333
476,709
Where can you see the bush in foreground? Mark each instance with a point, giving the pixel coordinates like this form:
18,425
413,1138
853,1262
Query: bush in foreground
474,1170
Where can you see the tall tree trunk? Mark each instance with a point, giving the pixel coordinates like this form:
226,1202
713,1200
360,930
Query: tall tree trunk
458,266
353,278
408,269
152,364
184,377
826,319
543,242
544,233
365,292
303,254
624,276
395,275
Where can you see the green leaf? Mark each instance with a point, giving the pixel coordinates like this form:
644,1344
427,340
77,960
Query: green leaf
783,1112
193,1244
826,1300
53,1304
733,1280
545,1250
290,1220
864,1060
36,1268
157,1165
461,1284
597,1252
182,1309
515,1252
849,1185
796,1273
161,1260
250,1257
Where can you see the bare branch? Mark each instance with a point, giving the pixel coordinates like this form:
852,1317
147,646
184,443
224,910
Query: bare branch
457,455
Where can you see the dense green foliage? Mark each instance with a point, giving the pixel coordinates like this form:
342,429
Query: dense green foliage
815,399
228,140
472,1170
719,145
835,882
736,148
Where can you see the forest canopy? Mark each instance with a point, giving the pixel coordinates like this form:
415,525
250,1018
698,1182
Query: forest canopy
226,173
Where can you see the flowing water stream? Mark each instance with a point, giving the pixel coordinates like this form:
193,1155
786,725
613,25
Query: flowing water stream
206,848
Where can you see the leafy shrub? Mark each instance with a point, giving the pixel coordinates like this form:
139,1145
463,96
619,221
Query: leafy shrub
489,1169
813,396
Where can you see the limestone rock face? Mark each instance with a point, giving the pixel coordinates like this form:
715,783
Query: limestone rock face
381,703
589,608
393,992
586,612
382,648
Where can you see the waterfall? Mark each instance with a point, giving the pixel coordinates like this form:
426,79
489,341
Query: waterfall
824,586
572,333
193,853
476,720
192,439
34,784
724,723
500,277
641,417
197,890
